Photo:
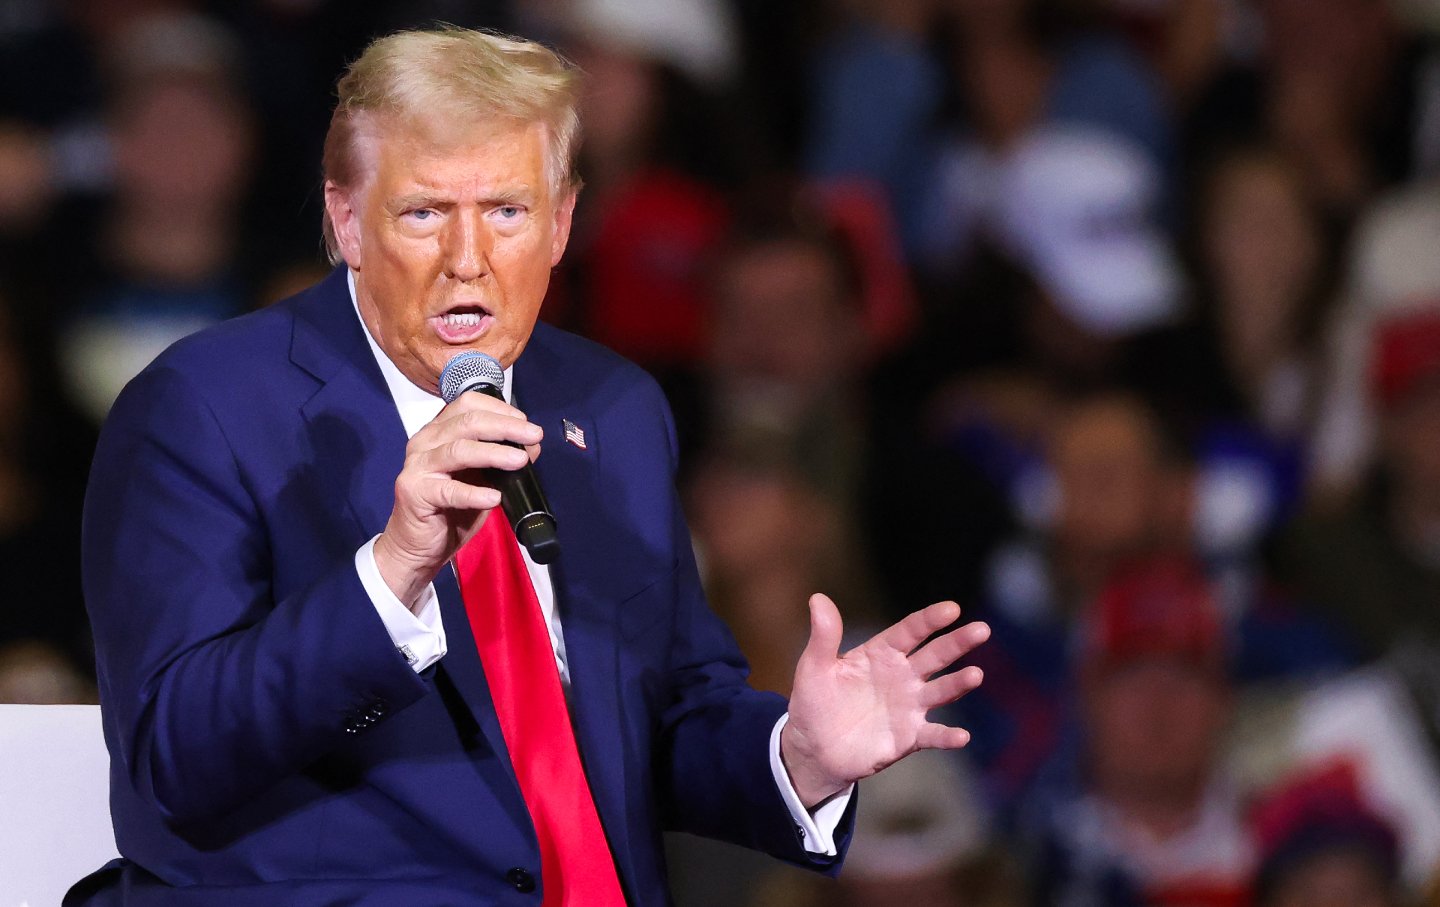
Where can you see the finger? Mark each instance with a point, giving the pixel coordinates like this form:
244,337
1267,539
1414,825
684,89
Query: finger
826,630
944,651
916,627
932,736
480,402
486,425
461,454
489,421
452,494
947,689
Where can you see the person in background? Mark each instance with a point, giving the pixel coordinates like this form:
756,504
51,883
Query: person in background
1321,845
881,99
1244,373
785,430
1079,269
1329,81
1263,271
169,254
762,534
1112,488
772,493
1153,818
1390,271
1373,566
655,170
786,350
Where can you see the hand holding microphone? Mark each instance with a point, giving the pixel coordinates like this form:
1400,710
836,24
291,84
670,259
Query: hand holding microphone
520,495
438,502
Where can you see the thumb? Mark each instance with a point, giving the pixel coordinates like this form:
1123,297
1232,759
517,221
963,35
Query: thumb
826,630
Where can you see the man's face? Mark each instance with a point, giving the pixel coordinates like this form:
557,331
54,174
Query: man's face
1154,725
451,244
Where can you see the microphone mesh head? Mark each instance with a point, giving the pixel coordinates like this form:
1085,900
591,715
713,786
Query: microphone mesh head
467,370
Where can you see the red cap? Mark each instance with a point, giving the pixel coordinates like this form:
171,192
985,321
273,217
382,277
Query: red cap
1407,351
1159,606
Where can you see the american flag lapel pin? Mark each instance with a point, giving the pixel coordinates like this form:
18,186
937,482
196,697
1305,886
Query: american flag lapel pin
574,434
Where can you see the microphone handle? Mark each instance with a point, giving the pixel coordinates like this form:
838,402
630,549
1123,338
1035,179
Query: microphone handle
523,501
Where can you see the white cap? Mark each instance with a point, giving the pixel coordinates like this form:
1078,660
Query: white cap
1394,268
920,816
696,36
1076,204
184,43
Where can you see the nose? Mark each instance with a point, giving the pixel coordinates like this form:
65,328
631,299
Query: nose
467,246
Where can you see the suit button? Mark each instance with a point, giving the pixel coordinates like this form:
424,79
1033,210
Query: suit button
521,879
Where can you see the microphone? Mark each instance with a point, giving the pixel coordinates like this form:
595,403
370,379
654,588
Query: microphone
520,495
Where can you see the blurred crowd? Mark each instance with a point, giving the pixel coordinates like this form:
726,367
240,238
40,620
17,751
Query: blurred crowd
1116,321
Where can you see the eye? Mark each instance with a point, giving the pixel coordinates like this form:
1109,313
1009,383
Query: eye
509,212
420,214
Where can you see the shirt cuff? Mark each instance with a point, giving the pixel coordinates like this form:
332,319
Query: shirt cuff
419,637
817,829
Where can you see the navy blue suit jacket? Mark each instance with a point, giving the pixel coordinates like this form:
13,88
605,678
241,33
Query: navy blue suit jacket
270,746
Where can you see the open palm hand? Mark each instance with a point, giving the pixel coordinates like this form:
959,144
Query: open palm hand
852,715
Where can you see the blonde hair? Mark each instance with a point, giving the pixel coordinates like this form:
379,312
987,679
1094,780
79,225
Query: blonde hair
459,77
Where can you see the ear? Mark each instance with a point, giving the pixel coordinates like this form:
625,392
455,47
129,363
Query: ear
564,217
340,204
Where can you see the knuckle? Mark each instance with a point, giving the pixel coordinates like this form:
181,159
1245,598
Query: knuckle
473,421
448,494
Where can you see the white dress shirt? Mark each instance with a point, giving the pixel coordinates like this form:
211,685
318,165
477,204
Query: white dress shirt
420,635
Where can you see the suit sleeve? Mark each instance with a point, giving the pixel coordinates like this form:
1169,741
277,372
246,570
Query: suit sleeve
214,691
713,753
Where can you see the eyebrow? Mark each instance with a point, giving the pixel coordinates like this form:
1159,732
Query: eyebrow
518,196
413,200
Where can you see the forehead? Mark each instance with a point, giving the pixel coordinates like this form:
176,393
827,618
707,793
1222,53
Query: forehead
1102,428
403,156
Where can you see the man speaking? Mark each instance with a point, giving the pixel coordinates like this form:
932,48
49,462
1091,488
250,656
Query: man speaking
329,673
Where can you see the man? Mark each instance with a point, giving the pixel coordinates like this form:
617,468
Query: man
296,701
1144,812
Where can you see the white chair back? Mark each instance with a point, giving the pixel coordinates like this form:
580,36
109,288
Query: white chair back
54,801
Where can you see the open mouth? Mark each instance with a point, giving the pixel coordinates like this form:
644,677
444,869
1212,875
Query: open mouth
462,323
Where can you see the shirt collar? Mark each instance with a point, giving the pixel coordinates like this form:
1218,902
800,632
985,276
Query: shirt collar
417,406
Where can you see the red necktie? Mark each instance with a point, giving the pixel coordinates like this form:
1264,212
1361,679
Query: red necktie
575,862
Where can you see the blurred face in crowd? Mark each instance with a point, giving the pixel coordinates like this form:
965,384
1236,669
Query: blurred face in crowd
783,318
1006,83
618,107
1337,878
1411,449
1349,39
754,529
452,240
183,143
753,519
1108,465
1261,243
1153,726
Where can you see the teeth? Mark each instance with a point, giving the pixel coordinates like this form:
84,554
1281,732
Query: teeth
462,319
